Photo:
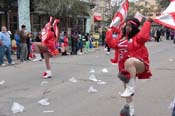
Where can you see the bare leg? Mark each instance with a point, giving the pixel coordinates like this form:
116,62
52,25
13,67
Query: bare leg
133,66
47,61
38,47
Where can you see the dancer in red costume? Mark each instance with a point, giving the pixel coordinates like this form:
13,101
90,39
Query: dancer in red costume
131,55
48,46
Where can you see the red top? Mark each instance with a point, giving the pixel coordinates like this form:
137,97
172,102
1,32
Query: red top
66,41
135,47
50,41
49,38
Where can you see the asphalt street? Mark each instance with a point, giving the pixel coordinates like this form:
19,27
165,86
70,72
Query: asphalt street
23,84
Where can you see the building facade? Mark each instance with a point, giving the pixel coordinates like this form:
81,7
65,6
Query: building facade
99,13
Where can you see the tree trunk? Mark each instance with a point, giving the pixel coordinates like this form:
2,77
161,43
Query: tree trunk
24,14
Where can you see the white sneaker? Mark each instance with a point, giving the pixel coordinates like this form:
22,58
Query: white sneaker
129,91
3,65
12,63
47,74
80,53
36,59
107,53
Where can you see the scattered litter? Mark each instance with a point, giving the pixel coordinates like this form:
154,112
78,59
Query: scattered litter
101,82
92,71
44,102
16,108
92,89
171,59
93,78
104,70
44,82
2,82
73,80
172,105
48,111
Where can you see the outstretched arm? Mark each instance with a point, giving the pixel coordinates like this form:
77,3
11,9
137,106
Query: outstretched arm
144,35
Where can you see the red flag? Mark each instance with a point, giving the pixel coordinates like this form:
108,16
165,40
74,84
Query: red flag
167,18
120,15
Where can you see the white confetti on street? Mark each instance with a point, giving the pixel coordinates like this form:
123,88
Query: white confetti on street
48,111
44,102
17,108
104,70
2,82
92,71
93,78
92,90
73,80
101,83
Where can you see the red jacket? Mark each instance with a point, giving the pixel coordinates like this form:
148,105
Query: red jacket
135,47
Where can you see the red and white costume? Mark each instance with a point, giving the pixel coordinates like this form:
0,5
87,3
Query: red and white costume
50,36
135,47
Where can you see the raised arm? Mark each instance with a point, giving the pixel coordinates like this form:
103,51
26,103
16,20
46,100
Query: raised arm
144,34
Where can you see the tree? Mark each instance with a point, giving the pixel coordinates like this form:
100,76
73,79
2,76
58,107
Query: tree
163,3
65,10
110,12
61,8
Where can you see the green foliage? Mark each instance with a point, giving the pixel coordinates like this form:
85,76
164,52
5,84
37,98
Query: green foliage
163,3
112,11
61,8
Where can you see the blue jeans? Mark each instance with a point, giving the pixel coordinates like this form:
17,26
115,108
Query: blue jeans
18,52
4,50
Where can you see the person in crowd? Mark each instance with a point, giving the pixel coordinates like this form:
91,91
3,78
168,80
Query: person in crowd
80,42
158,35
172,34
167,33
29,42
5,47
74,40
91,39
103,37
23,43
108,49
133,56
72,43
87,43
17,39
65,44
48,46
